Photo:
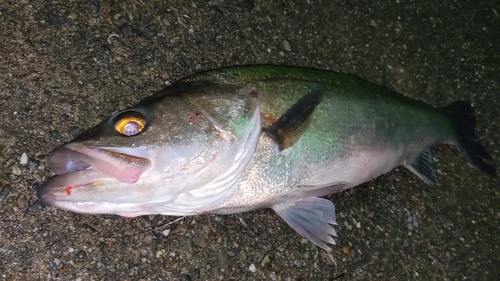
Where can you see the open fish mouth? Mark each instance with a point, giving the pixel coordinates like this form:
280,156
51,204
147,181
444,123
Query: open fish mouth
78,166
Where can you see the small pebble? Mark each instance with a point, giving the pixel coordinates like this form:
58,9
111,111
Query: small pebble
37,177
180,230
16,171
54,134
35,185
95,7
4,192
266,261
81,255
286,46
74,131
406,242
37,206
24,159
300,263
143,32
252,268
160,254
53,19
166,232
22,201
242,256
126,30
197,273
225,261
33,164
158,52
346,250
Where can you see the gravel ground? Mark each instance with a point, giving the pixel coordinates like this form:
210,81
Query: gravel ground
66,65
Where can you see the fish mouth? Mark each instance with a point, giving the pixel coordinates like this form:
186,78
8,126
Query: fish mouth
78,166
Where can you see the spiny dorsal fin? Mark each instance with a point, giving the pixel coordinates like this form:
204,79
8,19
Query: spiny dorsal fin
421,165
287,130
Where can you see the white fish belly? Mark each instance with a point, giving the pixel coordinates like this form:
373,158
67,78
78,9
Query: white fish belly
356,168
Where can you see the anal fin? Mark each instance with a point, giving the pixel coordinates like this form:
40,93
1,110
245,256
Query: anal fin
421,165
311,217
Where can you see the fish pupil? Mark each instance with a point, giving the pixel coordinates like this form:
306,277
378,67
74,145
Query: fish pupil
131,128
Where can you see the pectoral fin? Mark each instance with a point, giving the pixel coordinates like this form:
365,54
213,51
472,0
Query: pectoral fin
421,165
311,217
287,130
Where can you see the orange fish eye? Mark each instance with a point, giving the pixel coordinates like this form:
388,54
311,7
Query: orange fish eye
130,125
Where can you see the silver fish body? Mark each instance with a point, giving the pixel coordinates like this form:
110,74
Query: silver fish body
242,138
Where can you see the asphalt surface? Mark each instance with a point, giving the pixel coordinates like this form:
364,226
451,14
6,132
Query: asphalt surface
66,65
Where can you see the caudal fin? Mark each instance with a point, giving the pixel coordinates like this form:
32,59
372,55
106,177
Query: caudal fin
463,115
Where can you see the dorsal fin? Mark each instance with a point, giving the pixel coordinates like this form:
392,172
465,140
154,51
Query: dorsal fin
287,130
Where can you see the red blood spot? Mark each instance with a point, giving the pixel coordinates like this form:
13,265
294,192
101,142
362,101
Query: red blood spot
135,178
68,189
194,117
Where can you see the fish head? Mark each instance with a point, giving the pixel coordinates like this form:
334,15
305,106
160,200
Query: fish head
173,153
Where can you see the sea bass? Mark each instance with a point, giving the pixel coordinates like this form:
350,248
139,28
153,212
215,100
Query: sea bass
241,138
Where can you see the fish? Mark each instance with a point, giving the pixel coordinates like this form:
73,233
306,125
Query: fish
242,138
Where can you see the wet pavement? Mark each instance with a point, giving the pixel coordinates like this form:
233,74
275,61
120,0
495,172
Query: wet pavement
66,65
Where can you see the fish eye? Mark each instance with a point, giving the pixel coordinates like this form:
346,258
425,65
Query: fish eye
129,123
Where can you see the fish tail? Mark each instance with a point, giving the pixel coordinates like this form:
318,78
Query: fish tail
462,114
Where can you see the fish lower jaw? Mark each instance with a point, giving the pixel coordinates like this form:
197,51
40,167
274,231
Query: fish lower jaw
132,209
128,210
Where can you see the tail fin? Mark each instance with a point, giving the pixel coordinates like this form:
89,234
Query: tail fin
462,114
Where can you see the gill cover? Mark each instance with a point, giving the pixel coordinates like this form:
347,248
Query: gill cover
235,114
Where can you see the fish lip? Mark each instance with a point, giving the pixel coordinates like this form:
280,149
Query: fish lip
77,166
53,190
63,160
45,198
